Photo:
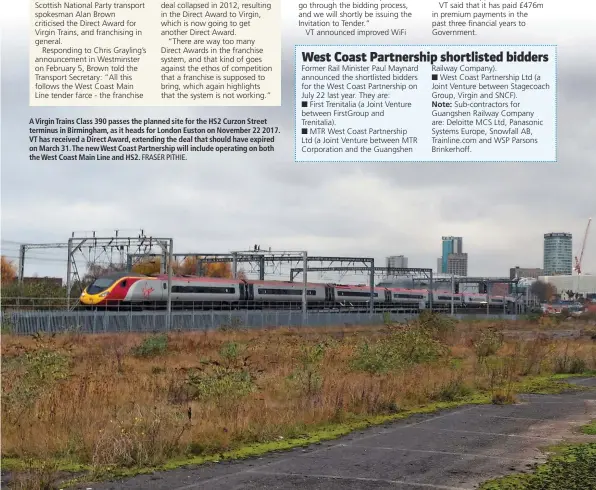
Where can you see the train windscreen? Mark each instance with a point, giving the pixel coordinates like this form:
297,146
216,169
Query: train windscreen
100,285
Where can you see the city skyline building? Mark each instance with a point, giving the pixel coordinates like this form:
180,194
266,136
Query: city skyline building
525,272
453,245
457,264
397,261
558,254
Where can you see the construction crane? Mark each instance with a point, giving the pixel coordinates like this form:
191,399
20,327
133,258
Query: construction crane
578,262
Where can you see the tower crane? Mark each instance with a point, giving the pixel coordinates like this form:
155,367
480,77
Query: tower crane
578,262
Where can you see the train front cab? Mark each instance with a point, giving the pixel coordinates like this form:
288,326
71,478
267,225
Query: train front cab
108,292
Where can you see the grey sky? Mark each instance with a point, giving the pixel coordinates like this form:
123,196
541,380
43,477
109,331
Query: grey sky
213,203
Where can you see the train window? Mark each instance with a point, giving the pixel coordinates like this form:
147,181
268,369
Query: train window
290,292
409,296
445,297
100,285
203,289
355,293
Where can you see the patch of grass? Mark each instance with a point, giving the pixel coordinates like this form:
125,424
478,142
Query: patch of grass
547,385
152,346
22,464
589,429
572,467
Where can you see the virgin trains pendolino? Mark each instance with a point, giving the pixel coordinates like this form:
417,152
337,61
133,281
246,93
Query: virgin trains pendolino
141,292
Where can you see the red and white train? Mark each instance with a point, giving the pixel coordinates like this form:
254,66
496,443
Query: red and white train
151,292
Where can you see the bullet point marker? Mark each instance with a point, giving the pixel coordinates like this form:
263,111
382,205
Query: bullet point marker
435,77
304,131
304,103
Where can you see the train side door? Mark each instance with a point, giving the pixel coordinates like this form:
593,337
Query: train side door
329,294
251,292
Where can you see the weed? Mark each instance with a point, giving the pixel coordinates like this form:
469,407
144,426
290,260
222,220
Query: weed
235,324
488,343
219,383
572,468
503,397
590,428
28,377
569,364
440,326
534,354
533,317
42,476
454,390
6,327
401,347
308,377
153,346
500,375
231,354
143,437
376,358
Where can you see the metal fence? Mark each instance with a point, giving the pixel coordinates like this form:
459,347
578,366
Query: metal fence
30,322
56,304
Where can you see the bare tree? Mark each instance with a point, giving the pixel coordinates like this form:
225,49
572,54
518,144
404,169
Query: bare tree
543,290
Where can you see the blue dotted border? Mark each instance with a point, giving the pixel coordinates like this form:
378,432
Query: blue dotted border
556,160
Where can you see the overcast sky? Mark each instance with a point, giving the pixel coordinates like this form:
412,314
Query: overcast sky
218,204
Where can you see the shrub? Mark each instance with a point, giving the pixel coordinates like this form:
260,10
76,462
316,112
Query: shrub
454,390
29,376
218,383
153,346
401,347
307,377
569,364
373,358
141,437
488,343
439,326
232,354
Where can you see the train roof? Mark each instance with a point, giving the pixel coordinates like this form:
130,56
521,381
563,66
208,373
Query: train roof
120,275
357,288
286,283
164,277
